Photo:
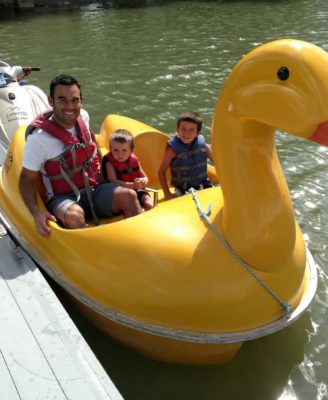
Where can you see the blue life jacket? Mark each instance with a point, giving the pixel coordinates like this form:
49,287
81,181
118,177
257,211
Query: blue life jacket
189,167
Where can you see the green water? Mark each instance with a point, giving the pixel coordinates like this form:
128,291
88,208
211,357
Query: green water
151,63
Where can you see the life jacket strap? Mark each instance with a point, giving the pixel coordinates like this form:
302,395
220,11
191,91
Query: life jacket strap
89,196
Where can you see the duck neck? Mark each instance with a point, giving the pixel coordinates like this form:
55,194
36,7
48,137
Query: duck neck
257,217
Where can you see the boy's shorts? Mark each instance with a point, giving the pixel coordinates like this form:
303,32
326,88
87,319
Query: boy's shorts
102,196
204,185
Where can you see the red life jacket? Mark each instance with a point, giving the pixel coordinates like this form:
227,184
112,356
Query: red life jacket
79,165
126,171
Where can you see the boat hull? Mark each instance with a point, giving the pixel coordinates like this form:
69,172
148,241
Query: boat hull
168,345
184,298
161,348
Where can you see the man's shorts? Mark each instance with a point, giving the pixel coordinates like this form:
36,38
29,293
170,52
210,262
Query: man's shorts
102,196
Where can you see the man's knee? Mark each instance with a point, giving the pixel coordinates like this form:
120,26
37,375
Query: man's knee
125,200
124,196
72,217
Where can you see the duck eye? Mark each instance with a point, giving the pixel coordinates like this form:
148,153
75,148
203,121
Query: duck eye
283,73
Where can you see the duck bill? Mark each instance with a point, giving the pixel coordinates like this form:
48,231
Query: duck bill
320,135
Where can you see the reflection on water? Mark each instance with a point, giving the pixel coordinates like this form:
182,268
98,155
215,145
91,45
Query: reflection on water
305,166
151,63
260,370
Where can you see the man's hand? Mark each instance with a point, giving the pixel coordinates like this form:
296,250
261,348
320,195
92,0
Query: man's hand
27,187
41,218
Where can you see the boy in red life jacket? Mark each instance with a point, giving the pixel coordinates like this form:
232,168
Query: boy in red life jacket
61,149
120,165
186,155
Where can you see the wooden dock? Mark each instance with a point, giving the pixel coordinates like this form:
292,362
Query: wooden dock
42,353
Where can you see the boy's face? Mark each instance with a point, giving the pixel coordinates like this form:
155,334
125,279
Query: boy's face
187,131
121,151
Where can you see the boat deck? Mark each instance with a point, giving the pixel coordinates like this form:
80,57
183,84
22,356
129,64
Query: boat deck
42,353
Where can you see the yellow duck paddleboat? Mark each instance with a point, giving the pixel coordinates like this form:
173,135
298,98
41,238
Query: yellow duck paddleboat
166,283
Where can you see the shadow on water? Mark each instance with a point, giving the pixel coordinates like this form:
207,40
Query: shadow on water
248,376
9,11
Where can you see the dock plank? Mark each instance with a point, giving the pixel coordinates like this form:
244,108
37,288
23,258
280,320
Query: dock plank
25,361
45,354
8,389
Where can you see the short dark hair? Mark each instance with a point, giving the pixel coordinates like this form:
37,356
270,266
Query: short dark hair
66,80
191,116
122,136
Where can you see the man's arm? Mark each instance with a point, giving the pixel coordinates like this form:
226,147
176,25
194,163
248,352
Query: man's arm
27,188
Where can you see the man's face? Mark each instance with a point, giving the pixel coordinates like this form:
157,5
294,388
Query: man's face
66,103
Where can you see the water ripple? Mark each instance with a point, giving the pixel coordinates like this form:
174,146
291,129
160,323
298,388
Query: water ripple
151,63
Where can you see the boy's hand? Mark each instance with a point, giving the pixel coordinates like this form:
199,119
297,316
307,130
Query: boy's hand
139,183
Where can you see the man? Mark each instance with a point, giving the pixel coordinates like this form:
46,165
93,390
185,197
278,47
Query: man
60,147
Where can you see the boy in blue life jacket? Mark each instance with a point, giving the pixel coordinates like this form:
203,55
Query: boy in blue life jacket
186,154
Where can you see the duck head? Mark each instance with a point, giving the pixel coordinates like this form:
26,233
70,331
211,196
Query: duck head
279,85
284,85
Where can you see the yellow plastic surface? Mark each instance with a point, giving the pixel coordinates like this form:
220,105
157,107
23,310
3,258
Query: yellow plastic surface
165,267
258,218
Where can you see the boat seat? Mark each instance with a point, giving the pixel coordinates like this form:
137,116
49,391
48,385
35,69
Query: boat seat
150,149
89,223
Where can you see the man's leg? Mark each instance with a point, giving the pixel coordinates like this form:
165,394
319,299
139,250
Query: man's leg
111,199
73,217
126,201
66,210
